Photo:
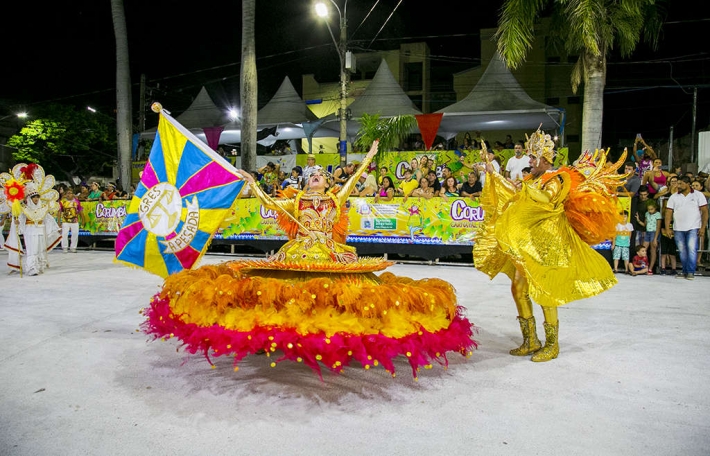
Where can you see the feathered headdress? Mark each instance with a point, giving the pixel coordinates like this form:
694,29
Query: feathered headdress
541,145
592,207
21,175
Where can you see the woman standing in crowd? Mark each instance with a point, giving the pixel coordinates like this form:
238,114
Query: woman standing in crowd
386,190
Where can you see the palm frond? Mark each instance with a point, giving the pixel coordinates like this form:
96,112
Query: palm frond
390,131
516,30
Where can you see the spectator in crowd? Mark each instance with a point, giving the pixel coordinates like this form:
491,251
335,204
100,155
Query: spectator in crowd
366,186
669,189
656,178
445,174
310,167
668,252
699,186
416,172
526,172
343,173
640,262
433,181
652,228
70,211
633,182
270,177
246,189
621,243
472,187
109,193
83,192
516,164
689,211
425,165
408,185
383,172
643,156
639,207
449,188
424,190
294,180
492,159
508,144
386,190
498,147
95,192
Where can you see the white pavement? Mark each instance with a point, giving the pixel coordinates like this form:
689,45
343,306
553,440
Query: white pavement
77,379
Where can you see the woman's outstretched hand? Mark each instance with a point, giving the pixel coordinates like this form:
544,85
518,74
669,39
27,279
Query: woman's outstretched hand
246,176
373,149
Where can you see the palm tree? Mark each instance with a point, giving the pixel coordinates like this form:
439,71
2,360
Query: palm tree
588,28
124,128
248,86
390,131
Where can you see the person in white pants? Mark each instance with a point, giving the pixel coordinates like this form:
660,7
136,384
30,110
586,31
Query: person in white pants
69,211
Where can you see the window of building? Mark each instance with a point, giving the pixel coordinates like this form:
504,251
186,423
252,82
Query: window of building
413,76
418,101
572,138
574,100
553,59
552,101
572,58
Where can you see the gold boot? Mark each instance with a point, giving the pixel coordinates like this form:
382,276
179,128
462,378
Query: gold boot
551,348
531,343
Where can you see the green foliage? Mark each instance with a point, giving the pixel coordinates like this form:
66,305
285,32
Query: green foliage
67,141
584,27
391,131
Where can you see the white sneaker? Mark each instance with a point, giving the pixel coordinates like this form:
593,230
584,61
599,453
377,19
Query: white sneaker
73,250
64,250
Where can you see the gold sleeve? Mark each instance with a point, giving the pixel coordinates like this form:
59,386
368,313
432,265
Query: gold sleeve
286,205
554,190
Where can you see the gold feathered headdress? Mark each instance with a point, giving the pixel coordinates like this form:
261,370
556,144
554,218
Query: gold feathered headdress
541,145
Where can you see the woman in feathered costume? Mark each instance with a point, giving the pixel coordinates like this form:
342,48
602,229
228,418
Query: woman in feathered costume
315,300
540,237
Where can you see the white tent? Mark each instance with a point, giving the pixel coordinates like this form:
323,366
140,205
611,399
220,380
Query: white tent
383,96
498,102
285,114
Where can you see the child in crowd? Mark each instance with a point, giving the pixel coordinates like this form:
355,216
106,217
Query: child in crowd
640,262
621,244
668,252
652,225
294,180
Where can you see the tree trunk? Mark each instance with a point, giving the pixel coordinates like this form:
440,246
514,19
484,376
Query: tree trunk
124,126
249,88
593,108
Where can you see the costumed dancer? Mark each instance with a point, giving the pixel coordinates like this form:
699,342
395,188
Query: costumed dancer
540,236
33,218
315,300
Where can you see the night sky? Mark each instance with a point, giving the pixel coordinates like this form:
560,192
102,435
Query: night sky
65,52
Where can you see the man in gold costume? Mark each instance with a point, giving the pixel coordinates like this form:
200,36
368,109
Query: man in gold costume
540,237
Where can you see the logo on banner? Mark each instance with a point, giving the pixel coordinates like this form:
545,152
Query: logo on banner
159,211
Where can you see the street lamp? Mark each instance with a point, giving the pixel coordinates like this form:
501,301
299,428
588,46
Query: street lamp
341,45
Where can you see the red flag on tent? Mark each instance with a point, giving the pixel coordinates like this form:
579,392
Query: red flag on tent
428,126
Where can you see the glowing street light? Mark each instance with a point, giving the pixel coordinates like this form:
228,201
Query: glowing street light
91,109
341,45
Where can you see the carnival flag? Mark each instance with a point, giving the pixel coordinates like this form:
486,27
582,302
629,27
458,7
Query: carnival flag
185,192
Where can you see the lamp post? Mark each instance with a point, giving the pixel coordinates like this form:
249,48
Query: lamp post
341,45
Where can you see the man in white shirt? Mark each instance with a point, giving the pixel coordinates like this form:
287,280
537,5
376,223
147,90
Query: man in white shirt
689,210
310,167
514,167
